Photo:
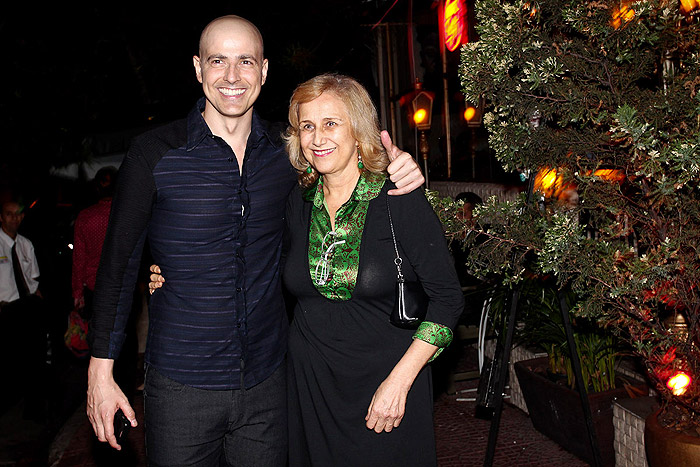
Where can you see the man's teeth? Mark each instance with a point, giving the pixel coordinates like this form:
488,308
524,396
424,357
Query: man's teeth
323,152
231,92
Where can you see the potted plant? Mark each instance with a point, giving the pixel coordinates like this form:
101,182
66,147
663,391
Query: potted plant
597,104
548,383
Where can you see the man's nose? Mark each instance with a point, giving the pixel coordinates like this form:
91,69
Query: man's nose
232,74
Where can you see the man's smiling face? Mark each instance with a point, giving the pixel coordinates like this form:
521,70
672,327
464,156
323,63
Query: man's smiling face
231,67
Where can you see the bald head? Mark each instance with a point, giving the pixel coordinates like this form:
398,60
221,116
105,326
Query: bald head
225,24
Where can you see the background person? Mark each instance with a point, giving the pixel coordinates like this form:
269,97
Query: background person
88,236
22,316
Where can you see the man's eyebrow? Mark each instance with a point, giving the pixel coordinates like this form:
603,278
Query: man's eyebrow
238,57
247,57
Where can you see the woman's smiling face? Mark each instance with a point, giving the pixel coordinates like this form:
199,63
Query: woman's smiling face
325,133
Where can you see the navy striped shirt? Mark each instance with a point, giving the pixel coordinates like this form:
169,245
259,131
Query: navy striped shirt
219,322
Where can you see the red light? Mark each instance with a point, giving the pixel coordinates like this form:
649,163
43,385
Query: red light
679,383
453,21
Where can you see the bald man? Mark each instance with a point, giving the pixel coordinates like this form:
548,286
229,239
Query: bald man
208,193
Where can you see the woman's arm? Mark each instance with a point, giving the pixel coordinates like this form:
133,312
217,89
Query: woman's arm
388,405
424,250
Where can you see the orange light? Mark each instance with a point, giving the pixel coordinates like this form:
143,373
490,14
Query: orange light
419,116
689,5
545,180
679,383
610,175
624,13
532,8
469,113
455,34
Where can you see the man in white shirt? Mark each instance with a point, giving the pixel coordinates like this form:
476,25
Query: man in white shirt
22,321
11,217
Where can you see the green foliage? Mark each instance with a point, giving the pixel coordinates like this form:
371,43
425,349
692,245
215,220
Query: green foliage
582,86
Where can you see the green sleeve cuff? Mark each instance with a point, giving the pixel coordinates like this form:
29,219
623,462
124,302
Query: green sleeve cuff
435,334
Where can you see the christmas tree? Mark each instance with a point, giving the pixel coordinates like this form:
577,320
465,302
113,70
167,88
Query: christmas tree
597,103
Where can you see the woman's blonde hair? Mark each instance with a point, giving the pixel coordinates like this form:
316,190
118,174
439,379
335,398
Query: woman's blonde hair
364,122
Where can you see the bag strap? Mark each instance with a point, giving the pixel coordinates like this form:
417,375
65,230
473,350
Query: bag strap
397,260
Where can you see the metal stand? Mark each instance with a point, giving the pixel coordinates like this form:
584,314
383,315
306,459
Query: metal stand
501,367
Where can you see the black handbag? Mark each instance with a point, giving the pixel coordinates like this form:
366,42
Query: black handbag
411,302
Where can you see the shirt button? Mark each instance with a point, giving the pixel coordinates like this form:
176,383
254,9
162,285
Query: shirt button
230,159
238,289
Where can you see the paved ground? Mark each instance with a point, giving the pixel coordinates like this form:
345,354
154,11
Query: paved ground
461,437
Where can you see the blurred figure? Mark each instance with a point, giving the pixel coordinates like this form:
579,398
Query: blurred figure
22,320
471,200
89,234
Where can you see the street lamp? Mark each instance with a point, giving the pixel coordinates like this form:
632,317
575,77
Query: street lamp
473,115
422,107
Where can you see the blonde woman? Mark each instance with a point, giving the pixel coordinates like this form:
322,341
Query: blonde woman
359,391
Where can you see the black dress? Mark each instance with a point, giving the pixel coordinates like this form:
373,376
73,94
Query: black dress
341,351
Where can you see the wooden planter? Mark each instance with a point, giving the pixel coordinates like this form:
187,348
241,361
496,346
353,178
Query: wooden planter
666,447
555,411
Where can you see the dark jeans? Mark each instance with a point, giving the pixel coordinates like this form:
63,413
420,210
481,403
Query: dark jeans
186,426
23,345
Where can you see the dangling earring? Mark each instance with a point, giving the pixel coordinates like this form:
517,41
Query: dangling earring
360,165
309,170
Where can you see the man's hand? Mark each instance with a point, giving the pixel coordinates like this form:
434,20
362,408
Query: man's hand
403,170
104,398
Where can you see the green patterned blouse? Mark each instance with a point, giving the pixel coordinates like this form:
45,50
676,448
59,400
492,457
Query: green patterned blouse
334,256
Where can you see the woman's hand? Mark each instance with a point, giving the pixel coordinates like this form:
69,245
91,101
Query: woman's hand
156,279
388,405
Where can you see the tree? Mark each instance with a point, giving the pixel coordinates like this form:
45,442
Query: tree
597,102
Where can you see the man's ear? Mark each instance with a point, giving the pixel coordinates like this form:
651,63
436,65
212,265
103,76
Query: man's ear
264,71
197,67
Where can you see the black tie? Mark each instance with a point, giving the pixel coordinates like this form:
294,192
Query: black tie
19,277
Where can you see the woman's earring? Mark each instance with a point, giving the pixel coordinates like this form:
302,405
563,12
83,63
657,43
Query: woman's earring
360,165
309,170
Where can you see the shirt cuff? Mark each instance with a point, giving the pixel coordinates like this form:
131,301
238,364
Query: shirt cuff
435,334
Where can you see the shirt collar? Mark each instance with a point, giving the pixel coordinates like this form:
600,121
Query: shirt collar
7,239
368,187
198,130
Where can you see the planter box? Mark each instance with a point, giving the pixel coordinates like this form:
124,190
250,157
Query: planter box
629,417
517,353
555,411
